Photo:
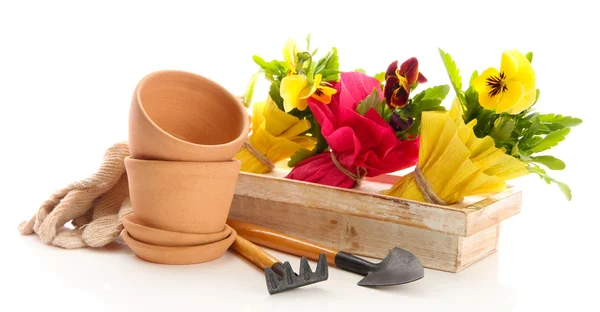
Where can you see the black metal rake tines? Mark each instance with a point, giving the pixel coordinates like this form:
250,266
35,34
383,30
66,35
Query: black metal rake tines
288,279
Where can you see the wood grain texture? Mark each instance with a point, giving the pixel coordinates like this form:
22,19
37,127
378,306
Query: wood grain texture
473,214
365,222
360,235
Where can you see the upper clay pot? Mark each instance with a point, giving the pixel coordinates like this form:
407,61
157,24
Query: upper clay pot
181,116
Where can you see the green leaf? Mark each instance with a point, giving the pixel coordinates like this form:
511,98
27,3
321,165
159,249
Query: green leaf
315,131
299,156
330,75
529,56
360,70
474,75
551,162
380,76
471,105
565,121
266,66
371,101
550,140
427,100
564,188
453,72
438,92
308,42
314,52
528,140
250,90
275,96
503,128
328,66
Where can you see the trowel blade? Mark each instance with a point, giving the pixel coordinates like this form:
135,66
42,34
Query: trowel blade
398,267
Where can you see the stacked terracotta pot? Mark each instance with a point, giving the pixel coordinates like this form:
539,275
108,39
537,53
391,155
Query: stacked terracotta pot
184,130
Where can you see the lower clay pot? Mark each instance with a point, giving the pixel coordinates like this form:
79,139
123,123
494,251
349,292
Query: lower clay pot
179,255
188,197
145,234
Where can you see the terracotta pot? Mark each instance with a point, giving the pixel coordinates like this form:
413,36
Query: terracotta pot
189,197
176,115
149,235
179,255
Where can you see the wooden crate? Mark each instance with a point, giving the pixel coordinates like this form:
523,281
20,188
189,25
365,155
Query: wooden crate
364,222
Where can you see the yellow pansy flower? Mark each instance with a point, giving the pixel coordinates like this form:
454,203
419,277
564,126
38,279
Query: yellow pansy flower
276,135
455,162
296,89
510,90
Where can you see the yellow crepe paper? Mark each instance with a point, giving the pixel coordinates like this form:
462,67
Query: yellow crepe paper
276,135
455,162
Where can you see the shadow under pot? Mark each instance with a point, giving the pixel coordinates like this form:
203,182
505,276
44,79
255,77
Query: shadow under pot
189,197
180,116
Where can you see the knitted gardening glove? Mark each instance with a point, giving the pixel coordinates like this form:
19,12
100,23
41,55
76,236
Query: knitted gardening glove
95,206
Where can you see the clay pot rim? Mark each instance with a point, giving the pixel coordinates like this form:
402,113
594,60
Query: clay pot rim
225,163
242,135
227,240
130,220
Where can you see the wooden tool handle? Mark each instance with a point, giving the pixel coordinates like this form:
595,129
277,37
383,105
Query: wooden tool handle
253,253
282,242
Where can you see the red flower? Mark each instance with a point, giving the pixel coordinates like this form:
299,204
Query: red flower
362,145
399,80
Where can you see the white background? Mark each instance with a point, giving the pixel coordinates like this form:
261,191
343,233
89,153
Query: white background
67,72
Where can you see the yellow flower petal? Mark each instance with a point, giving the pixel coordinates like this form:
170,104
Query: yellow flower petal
480,85
289,55
511,97
313,88
324,94
509,64
291,90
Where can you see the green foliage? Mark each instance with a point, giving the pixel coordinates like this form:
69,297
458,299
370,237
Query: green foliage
299,156
371,101
329,66
380,76
250,90
275,94
453,74
321,146
564,188
550,140
551,162
274,70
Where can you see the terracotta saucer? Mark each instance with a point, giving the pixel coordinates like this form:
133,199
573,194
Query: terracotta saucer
149,235
179,255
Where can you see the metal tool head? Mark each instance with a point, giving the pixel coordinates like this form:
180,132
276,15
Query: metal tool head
285,278
398,267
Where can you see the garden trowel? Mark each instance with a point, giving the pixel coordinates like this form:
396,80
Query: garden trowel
398,267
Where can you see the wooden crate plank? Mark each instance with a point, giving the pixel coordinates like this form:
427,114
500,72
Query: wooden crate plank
356,234
493,210
477,246
353,202
473,214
